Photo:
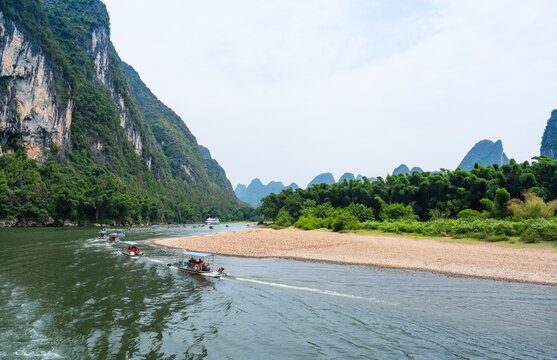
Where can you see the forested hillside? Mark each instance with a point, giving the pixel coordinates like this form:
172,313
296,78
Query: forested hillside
91,148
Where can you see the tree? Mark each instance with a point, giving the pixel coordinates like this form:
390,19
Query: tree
500,206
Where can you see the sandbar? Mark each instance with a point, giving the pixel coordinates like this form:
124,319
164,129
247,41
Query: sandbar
536,265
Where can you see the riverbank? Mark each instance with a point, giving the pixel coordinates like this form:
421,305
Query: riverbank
482,260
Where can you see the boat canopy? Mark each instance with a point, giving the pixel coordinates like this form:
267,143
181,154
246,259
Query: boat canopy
196,253
130,242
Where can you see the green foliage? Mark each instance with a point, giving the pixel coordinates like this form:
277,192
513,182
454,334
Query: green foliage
446,192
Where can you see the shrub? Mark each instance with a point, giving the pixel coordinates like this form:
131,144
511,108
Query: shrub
532,207
283,218
531,236
361,212
469,214
310,223
397,211
344,220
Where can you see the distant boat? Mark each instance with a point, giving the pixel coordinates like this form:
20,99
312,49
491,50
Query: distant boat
212,221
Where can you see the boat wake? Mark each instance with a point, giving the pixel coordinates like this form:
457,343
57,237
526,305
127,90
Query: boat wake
154,260
307,289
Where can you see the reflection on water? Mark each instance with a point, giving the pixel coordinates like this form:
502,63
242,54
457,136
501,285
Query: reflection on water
64,294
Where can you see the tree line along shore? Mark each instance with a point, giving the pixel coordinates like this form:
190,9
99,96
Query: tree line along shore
515,202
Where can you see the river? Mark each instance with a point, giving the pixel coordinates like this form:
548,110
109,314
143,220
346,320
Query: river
66,295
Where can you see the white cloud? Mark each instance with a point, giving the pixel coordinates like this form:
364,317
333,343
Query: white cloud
283,90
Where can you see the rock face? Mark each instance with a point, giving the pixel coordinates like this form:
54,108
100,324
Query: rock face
485,152
30,113
549,140
326,178
99,50
253,193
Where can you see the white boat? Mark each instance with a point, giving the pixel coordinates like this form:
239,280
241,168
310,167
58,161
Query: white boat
138,254
212,221
204,267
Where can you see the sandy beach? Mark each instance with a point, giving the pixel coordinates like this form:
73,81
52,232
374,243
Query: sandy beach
484,260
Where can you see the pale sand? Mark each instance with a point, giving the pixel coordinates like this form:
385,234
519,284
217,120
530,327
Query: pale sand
483,260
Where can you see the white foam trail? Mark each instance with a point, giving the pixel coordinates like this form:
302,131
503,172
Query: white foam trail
313,290
154,260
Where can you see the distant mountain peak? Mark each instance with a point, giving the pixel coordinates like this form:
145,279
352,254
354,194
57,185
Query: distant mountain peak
401,169
326,178
253,193
485,152
347,176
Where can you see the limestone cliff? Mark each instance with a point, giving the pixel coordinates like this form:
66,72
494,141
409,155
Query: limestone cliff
67,101
549,140
100,51
29,113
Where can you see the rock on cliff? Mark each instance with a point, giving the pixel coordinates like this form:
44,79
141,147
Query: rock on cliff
30,113
549,139
485,152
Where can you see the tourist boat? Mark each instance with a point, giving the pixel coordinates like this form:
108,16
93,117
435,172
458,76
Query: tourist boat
114,238
212,221
102,234
196,268
131,254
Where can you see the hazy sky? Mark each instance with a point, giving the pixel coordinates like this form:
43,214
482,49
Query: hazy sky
285,90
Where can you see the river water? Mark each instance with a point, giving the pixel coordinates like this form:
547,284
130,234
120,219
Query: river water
66,295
